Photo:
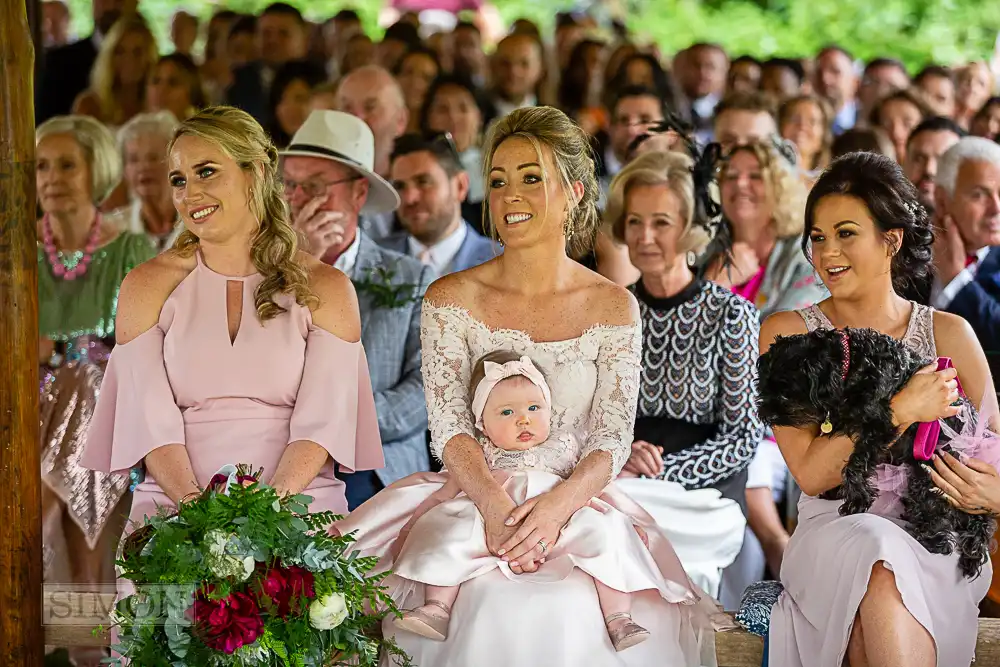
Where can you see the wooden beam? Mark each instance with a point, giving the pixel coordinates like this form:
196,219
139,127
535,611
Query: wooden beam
21,638
72,615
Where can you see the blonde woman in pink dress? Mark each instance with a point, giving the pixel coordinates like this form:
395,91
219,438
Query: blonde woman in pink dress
583,333
234,347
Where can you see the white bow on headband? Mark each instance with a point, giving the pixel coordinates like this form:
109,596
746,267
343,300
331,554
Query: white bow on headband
496,373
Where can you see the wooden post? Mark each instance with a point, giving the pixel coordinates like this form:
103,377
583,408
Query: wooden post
21,638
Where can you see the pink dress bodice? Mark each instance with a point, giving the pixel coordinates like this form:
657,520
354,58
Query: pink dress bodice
281,381
257,375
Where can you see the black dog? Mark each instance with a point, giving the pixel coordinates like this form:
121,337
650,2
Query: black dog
811,379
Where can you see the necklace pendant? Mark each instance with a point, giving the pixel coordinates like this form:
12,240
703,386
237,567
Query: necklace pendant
71,260
70,266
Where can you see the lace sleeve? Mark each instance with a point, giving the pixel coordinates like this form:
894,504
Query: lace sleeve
612,417
446,369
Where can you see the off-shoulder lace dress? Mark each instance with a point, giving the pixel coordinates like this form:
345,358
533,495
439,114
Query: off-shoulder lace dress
593,378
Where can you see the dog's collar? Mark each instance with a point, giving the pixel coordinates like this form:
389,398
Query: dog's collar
845,364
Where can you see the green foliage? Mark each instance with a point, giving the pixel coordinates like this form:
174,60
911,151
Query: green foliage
385,294
219,544
916,31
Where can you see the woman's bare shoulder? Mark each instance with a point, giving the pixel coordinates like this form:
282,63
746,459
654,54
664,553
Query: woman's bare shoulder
338,311
611,304
144,291
785,323
951,330
955,338
460,288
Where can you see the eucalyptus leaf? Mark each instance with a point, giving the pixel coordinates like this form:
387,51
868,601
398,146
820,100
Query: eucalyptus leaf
297,508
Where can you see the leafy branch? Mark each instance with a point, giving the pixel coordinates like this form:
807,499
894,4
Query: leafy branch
379,285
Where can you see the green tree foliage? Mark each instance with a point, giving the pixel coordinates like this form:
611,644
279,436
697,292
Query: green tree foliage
916,31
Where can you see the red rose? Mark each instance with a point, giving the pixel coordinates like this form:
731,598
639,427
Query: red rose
227,624
218,480
285,586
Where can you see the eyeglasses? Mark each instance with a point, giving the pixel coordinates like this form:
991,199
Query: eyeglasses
314,187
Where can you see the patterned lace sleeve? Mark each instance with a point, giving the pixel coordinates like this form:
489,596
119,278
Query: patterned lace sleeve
612,417
739,430
446,369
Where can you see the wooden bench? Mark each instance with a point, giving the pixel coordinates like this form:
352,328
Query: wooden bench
72,616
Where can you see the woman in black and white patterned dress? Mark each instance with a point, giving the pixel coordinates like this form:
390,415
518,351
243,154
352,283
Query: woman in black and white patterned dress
696,424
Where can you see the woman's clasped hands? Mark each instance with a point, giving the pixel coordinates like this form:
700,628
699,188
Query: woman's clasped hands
646,460
524,535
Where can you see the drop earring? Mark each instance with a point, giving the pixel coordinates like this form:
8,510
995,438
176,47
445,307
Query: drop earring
692,257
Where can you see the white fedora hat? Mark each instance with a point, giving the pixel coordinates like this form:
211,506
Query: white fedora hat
341,137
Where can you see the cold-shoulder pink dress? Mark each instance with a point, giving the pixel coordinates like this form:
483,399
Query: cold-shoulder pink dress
241,401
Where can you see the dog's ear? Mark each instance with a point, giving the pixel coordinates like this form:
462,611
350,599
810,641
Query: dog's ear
794,379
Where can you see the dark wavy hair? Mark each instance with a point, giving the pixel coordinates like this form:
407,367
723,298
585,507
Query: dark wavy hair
892,201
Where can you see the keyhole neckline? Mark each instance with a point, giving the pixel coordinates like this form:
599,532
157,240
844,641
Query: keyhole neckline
202,265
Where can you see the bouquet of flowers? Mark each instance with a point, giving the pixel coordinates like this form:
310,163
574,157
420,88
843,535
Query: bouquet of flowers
239,577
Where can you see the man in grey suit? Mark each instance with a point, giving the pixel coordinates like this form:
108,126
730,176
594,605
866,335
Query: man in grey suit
329,181
427,173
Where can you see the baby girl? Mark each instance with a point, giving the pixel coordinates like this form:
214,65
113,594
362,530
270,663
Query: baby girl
512,408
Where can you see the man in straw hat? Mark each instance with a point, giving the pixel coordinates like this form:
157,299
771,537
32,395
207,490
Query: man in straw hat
329,182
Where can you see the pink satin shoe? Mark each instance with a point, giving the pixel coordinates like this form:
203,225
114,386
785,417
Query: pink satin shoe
426,625
628,634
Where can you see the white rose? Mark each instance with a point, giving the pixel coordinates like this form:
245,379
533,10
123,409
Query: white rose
328,613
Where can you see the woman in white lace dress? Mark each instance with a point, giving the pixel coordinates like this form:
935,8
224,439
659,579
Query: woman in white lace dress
583,332
881,600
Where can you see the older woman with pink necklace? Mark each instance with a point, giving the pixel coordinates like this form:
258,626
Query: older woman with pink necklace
82,259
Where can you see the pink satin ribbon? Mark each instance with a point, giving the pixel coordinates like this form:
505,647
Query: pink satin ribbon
928,433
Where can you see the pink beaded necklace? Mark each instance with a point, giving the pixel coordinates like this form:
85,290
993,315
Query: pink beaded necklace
77,265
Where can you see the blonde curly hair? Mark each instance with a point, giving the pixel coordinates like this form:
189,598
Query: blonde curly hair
103,79
274,247
785,188
573,158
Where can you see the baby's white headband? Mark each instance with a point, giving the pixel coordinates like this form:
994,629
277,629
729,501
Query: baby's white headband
496,373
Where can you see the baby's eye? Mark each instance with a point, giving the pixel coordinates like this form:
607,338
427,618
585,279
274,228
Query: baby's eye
533,408
506,413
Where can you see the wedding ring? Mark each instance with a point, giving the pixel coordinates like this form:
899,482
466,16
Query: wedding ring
543,545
